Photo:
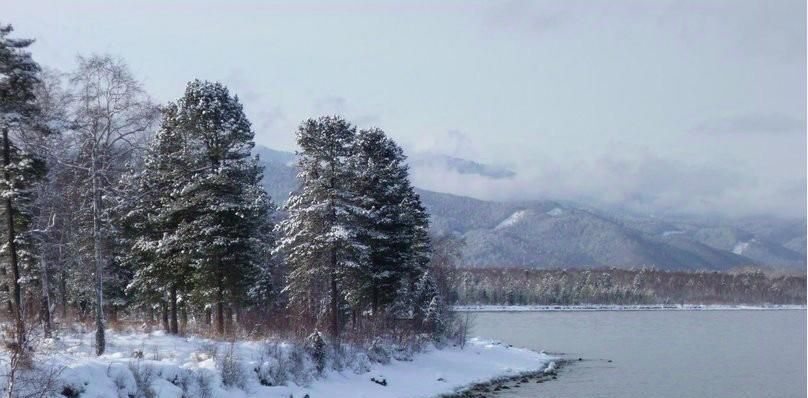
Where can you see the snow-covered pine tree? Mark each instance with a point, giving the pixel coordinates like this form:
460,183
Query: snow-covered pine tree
229,211
148,219
394,221
427,305
19,116
320,236
434,318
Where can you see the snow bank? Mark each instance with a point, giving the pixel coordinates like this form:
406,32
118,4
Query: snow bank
614,307
169,366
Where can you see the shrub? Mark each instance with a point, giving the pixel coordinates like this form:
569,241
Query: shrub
229,365
360,363
298,365
316,348
144,377
378,351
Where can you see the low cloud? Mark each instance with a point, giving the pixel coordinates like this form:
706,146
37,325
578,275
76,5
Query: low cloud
753,123
650,185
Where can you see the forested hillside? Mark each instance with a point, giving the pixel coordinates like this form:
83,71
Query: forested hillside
513,286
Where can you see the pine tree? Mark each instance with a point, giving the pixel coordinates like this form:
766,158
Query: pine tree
394,222
434,317
429,309
320,236
19,116
149,218
228,224
201,226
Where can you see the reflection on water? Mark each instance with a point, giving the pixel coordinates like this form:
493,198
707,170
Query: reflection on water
662,354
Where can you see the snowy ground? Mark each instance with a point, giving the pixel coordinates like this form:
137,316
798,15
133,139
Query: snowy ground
186,367
614,307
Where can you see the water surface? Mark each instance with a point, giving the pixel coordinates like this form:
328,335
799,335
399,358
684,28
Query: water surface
713,354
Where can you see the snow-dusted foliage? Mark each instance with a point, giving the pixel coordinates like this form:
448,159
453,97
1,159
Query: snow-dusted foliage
316,347
21,125
200,230
320,238
356,235
118,219
394,223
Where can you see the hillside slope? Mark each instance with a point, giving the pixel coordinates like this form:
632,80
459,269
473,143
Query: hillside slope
548,234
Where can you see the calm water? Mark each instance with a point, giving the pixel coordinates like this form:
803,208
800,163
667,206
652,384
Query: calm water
712,354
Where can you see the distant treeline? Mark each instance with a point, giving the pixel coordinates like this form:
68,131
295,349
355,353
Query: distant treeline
514,286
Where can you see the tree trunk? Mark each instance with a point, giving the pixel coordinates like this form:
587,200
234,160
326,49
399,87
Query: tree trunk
63,290
150,316
16,307
184,318
220,318
220,304
44,309
164,311
229,329
237,313
7,292
100,342
375,300
334,305
173,297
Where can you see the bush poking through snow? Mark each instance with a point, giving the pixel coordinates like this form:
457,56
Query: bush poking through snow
210,349
144,376
274,365
299,365
230,367
204,384
315,346
379,352
361,363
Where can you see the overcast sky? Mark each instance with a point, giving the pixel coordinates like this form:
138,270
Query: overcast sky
684,106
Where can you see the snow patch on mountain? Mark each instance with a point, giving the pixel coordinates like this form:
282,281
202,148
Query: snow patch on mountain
556,212
512,220
741,247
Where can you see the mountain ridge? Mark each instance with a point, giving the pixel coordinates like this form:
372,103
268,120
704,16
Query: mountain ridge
547,233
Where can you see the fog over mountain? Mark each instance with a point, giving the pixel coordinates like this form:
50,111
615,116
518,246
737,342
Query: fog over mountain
556,233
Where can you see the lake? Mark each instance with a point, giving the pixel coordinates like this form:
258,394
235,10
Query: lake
715,354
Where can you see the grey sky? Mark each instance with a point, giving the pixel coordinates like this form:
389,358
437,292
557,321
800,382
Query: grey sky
687,106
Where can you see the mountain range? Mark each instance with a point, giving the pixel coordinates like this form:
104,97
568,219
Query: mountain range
552,234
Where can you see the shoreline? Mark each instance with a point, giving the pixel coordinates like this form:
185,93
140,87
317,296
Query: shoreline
615,307
173,366
484,389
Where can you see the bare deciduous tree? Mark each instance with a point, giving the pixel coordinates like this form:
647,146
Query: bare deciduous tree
111,115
